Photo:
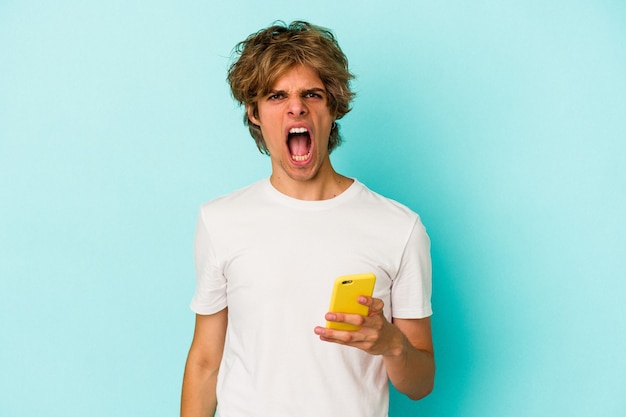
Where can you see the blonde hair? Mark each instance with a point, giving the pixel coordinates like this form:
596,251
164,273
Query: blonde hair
268,54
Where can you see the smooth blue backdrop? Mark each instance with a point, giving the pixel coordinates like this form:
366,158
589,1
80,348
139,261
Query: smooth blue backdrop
502,123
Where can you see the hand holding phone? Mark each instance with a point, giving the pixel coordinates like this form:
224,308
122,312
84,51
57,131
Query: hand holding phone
346,290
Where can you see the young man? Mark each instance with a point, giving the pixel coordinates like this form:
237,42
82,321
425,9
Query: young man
267,256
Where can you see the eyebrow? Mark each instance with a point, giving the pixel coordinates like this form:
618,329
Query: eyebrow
314,90
303,91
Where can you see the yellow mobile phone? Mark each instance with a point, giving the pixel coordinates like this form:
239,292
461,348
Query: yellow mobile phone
346,290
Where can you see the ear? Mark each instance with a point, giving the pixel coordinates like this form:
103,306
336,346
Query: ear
251,115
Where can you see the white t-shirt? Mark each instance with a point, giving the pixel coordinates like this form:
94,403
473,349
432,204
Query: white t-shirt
272,260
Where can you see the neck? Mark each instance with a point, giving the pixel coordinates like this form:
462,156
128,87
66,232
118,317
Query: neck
321,187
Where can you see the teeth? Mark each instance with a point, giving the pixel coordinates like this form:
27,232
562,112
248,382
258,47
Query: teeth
300,158
298,130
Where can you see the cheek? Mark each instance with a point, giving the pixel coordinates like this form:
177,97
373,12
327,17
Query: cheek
272,135
325,134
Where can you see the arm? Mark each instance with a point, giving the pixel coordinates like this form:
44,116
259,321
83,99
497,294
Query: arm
411,368
406,346
203,362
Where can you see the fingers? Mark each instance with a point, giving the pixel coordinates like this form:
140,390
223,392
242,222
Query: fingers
366,325
375,305
346,336
336,336
365,339
354,319
373,335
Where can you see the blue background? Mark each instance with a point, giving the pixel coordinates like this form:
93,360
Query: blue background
502,123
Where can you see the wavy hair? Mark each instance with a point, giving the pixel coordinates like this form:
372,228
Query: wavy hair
261,59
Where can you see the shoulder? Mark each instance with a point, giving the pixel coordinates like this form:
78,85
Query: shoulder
236,199
384,206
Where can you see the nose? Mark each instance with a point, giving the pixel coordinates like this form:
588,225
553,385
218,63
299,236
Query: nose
296,106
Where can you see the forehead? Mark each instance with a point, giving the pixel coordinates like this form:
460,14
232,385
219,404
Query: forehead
297,77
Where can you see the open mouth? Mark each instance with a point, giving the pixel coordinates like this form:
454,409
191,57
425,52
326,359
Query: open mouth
299,143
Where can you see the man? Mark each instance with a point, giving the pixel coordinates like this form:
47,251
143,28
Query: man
267,256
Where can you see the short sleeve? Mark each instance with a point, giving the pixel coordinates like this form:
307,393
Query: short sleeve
210,296
412,288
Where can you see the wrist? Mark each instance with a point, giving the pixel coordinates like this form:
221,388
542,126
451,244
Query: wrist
399,345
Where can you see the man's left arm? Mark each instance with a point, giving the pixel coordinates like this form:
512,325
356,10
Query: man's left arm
406,345
411,368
